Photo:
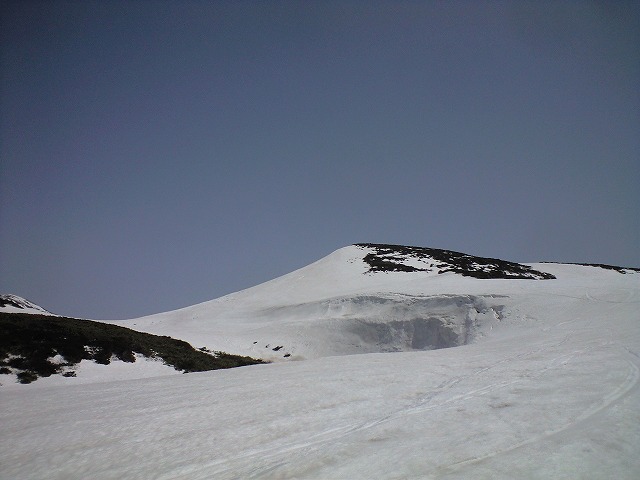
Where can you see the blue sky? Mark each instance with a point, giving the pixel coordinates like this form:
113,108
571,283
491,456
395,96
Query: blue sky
157,154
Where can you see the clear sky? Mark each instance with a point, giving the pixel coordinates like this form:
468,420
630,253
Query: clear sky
157,154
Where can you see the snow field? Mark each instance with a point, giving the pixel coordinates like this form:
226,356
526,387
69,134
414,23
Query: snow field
445,413
547,388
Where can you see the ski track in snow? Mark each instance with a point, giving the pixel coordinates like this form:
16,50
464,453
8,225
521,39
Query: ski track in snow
269,458
631,382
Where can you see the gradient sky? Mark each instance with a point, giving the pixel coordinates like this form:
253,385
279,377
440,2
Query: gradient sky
158,154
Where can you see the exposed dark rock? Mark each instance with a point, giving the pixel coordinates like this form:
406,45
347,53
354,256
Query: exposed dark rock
394,258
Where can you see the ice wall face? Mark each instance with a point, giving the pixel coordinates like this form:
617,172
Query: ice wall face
401,335
384,322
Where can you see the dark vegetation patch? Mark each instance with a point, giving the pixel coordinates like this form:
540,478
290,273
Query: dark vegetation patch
622,270
391,258
28,342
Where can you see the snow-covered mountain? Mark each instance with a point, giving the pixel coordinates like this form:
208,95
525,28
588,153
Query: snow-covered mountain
543,381
15,304
364,298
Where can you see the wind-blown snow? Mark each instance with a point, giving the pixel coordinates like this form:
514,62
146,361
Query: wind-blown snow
545,387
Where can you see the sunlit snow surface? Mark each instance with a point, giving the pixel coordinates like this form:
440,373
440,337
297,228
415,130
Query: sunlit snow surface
547,388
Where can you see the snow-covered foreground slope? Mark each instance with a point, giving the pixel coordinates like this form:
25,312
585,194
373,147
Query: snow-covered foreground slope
547,388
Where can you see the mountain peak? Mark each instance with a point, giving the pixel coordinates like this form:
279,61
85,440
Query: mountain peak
401,258
15,304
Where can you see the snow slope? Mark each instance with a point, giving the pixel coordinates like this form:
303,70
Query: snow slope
331,307
543,385
337,306
15,304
